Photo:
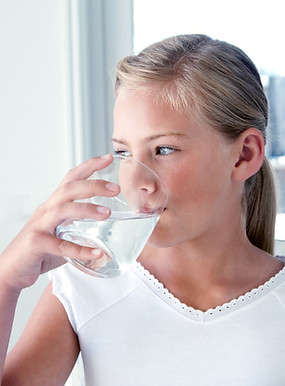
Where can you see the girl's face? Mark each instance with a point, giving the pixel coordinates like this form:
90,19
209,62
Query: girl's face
194,161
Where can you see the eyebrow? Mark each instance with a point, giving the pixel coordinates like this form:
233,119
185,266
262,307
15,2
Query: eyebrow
156,136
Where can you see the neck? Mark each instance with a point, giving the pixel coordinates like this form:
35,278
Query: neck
204,276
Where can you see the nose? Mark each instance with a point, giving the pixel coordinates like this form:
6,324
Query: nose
140,185
144,179
138,176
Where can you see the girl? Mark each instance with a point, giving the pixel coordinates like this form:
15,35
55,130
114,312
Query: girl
204,304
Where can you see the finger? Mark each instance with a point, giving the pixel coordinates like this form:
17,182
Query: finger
76,190
101,260
71,211
59,208
57,247
87,168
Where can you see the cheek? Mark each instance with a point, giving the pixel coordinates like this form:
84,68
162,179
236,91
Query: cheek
183,181
203,185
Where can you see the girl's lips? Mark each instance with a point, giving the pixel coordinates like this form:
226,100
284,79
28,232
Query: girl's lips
148,210
151,210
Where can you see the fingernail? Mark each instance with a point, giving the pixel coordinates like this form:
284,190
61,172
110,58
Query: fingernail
105,156
112,187
103,209
96,252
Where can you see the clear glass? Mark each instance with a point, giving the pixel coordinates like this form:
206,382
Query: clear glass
134,215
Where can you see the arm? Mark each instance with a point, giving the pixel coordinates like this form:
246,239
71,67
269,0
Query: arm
35,250
47,350
8,302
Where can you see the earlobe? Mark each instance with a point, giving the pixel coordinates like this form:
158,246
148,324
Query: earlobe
251,154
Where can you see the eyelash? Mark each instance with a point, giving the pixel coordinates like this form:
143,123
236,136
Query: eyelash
124,153
170,150
158,151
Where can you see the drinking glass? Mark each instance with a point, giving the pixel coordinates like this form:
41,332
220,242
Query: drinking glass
135,212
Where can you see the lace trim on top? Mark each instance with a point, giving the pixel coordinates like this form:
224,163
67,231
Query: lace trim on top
212,313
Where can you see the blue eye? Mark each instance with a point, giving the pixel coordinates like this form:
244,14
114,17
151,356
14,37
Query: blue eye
164,150
124,153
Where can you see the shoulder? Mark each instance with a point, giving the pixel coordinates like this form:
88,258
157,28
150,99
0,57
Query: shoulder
281,258
276,284
84,296
47,349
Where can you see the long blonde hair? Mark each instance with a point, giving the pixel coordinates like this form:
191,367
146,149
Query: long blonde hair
219,81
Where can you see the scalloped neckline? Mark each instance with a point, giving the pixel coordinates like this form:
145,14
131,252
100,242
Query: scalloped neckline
212,313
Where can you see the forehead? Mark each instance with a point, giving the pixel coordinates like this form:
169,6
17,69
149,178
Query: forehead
143,110
140,114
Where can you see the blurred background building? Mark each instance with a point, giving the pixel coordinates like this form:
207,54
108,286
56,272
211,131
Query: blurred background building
275,90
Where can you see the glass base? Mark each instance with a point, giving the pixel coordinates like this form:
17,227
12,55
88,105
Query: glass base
104,267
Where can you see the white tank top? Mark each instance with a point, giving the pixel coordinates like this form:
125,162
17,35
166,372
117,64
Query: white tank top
133,332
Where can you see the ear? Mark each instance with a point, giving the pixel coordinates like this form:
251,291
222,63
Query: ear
250,146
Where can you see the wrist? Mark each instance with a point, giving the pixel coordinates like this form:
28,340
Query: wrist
9,290
8,283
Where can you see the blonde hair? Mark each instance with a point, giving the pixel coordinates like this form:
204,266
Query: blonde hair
221,83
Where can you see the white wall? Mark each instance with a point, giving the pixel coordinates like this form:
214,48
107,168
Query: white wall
34,136
56,58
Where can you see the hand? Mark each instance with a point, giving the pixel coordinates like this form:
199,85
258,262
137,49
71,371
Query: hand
36,249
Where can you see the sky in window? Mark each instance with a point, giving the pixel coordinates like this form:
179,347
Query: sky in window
257,27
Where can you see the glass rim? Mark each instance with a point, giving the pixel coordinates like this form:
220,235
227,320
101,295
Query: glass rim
119,156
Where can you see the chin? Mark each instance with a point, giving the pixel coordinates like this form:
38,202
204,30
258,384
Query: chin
162,235
160,240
